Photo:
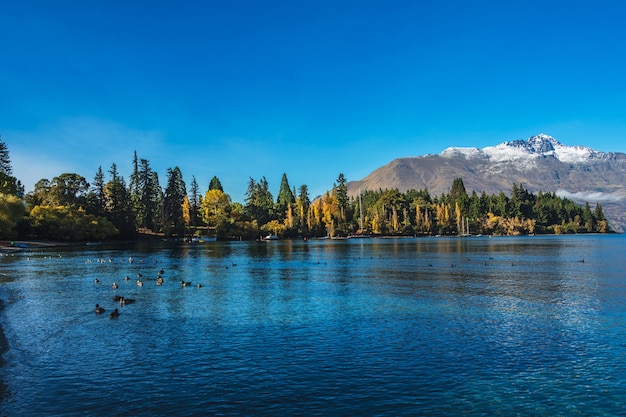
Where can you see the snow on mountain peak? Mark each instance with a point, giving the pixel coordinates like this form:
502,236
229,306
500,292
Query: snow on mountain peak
467,153
539,144
526,151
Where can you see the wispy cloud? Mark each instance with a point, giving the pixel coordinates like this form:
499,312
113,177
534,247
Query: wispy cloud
593,196
76,145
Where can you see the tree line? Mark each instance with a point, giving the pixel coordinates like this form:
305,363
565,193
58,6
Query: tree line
70,208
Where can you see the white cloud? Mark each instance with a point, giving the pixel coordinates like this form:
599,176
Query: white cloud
592,196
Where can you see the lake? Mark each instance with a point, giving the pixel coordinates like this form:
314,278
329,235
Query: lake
386,327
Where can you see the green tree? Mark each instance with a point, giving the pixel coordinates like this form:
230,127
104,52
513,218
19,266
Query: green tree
119,205
175,193
259,201
303,203
457,191
149,196
99,185
69,223
215,184
285,198
12,212
68,190
5,160
194,204
341,191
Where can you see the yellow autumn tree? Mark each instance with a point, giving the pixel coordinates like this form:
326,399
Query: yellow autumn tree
186,211
330,212
215,207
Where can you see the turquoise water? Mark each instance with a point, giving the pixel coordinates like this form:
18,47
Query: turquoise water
424,326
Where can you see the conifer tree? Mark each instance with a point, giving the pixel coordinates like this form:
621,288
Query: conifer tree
285,198
215,184
5,161
175,193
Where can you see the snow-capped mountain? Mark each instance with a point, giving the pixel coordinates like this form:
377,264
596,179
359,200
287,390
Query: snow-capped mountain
540,163
528,151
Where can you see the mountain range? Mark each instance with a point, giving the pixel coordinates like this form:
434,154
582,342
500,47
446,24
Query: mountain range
540,163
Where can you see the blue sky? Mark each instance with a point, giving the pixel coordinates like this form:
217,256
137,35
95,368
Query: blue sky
242,89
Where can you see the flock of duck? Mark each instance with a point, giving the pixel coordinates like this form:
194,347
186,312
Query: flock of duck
125,300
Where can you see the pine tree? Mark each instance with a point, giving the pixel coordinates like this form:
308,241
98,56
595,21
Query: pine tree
194,205
99,192
119,207
285,198
175,193
341,190
303,203
215,184
5,161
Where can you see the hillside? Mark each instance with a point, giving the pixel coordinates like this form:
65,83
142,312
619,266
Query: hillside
540,163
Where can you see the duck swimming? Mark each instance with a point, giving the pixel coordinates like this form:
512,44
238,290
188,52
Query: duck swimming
115,314
124,301
98,309
115,286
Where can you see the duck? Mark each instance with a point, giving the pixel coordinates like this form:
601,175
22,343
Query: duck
199,285
139,283
115,314
115,286
98,309
161,272
124,301
185,283
96,280
117,298
127,278
159,281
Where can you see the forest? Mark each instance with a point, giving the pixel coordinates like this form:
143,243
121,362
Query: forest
71,208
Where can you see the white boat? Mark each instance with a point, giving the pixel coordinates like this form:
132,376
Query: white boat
270,237
203,239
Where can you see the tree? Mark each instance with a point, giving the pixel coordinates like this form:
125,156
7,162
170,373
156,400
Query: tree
341,190
285,198
119,206
194,205
11,185
302,208
8,183
215,184
11,213
69,223
68,190
259,201
215,207
5,161
96,198
175,193
457,190
135,190
149,196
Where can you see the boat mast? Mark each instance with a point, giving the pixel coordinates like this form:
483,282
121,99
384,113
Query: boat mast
360,211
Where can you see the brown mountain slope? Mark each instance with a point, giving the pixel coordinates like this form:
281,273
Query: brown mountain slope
540,164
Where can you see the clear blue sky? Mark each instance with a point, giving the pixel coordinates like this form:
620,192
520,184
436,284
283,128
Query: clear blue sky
242,89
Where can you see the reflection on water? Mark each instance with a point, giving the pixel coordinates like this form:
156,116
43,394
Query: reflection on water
366,326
